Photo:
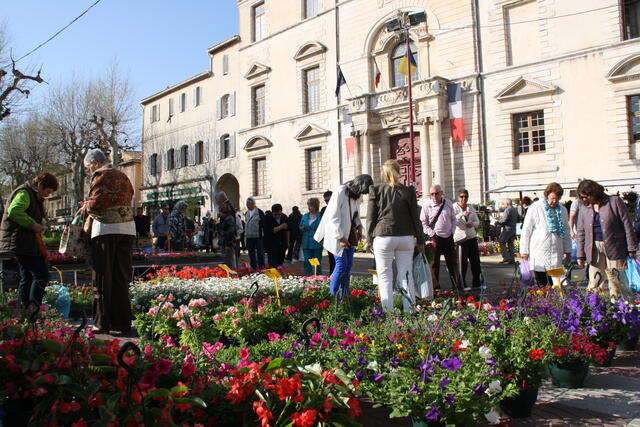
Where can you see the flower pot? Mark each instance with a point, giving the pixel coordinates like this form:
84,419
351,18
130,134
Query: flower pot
520,406
568,375
628,345
608,361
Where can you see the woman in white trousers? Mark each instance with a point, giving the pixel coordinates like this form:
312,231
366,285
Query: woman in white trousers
394,230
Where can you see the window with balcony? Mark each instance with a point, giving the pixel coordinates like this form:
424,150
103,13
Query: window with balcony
258,105
312,89
529,132
259,22
260,176
399,53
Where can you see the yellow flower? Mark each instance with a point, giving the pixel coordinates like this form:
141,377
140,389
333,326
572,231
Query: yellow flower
421,352
398,346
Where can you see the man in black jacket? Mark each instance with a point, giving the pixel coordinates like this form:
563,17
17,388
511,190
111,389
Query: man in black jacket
276,235
294,232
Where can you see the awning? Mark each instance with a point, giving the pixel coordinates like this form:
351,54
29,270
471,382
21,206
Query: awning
567,186
199,199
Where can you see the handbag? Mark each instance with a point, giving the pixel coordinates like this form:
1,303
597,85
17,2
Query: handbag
422,277
526,277
355,235
633,274
74,240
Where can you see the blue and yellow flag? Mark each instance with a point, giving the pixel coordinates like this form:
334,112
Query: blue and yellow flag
408,59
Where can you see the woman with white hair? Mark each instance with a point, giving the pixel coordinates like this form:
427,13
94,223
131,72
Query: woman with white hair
112,229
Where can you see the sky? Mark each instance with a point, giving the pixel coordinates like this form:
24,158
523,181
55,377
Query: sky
157,42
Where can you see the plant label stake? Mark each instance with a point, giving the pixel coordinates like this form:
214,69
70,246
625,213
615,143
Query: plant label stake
227,270
274,274
314,263
374,273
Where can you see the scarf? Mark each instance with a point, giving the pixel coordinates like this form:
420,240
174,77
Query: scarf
554,218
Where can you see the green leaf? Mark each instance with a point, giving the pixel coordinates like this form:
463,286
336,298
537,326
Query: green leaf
179,389
160,392
100,358
195,401
276,363
52,346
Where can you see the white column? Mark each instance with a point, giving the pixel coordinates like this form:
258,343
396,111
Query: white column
425,157
357,135
366,154
439,156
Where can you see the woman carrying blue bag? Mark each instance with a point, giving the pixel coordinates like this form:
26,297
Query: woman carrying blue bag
308,226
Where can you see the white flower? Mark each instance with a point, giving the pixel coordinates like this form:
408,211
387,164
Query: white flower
373,365
494,388
487,306
464,344
527,320
432,318
454,313
492,416
485,352
493,328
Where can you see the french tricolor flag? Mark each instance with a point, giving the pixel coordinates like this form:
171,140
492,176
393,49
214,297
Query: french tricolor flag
454,93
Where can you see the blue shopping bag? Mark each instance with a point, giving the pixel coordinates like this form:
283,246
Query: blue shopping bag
574,250
63,303
633,274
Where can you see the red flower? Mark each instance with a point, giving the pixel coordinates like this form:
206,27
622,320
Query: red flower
187,369
536,354
288,387
79,423
354,407
327,404
244,353
306,419
322,305
264,415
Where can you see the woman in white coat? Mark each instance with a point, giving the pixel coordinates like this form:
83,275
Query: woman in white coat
546,237
335,226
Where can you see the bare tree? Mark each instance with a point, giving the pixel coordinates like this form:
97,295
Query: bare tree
85,114
26,150
14,84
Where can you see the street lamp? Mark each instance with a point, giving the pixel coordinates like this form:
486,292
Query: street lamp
402,24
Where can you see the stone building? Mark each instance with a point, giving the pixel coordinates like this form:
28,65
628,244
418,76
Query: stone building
550,92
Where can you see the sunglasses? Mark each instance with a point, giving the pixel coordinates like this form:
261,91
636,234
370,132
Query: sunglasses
583,197
463,197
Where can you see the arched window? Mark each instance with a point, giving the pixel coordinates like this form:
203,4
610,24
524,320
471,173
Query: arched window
398,54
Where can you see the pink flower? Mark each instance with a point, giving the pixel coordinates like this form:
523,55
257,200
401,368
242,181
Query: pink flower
231,310
196,322
212,348
183,325
324,344
187,369
273,336
200,302
164,366
235,321
217,317
244,353
152,311
332,332
147,351
315,338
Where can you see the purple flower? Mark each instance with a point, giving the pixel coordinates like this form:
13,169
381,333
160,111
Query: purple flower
593,300
479,390
288,355
361,361
452,364
444,383
377,377
449,399
359,375
433,413
394,363
414,389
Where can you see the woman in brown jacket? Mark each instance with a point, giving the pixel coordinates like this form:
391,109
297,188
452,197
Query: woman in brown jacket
392,224
112,231
605,236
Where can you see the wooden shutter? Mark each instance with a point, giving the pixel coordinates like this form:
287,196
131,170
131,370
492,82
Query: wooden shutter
218,108
196,154
217,147
232,145
159,164
206,151
232,104
225,64
192,154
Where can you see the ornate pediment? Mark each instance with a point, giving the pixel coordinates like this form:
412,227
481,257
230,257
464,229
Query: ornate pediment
627,69
309,49
311,131
257,142
256,70
525,88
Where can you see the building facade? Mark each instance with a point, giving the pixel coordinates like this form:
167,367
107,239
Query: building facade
550,92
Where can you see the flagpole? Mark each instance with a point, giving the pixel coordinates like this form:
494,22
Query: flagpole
412,174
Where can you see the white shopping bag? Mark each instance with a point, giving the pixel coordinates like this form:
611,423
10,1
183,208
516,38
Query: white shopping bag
422,277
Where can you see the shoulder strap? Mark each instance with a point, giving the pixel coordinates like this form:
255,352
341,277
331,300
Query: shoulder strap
435,219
